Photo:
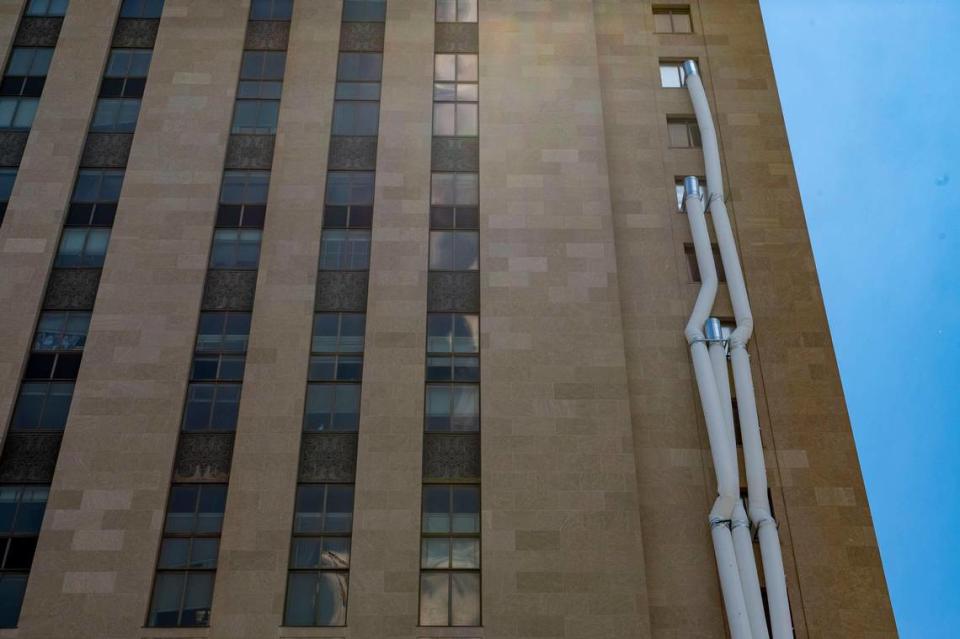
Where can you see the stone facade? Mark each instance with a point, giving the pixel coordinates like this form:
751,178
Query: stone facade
593,459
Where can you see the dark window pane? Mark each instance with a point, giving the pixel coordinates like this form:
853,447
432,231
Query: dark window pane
12,588
33,503
309,512
301,588
466,509
436,509
339,513
197,599
167,591
364,10
181,509
465,599
210,507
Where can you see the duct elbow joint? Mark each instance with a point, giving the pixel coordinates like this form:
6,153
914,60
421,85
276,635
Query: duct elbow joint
690,67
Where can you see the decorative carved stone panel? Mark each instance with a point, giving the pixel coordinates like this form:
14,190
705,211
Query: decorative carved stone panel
267,35
328,457
12,144
344,291
455,154
106,150
135,33
247,151
361,36
229,290
29,457
353,153
38,31
203,457
453,292
72,289
457,37
452,456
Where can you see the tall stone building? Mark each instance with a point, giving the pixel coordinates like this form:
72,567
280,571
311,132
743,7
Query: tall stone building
253,253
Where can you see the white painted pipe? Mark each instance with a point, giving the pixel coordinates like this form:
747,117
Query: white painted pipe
739,524
721,446
759,504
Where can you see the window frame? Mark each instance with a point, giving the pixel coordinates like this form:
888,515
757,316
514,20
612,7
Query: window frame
462,10
8,537
450,536
672,11
31,12
272,17
143,7
88,260
367,17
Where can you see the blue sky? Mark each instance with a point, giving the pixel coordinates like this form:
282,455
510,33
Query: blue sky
870,91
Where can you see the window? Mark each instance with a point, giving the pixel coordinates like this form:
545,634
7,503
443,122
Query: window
454,250
258,94
211,407
61,331
7,178
345,250
126,74
332,407
681,190
235,249
453,346
349,200
21,513
452,408
95,196
691,254
337,347
243,199
141,9
223,332
364,10
320,556
672,75
82,247
450,556
456,10
47,8
271,9
17,113
357,107
113,115
183,590
683,133
675,19
455,95
26,71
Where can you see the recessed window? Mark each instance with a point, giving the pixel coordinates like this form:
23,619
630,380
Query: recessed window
453,345
235,249
7,178
95,196
320,556
332,407
674,19
454,250
672,75
126,74
21,513
694,269
61,331
345,250
356,110
82,247
26,71
364,10
452,408
221,332
114,115
456,10
271,9
186,567
43,406
455,96
258,93
450,556
17,113
147,9
454,201
243,199
211,407
348,200
681,191
683,133
47,8
338,333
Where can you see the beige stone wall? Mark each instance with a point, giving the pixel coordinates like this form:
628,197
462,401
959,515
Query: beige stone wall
804,417
596,473
562,545
94,567
252,576
385,574
10,11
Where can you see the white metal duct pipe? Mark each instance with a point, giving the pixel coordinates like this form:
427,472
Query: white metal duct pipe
724,454
759,503
717,337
